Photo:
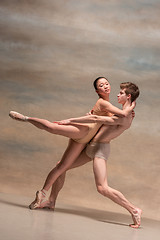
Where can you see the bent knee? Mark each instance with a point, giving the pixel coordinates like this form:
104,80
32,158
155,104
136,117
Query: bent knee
103,189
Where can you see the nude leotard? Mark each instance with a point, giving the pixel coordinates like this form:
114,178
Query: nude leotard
93,127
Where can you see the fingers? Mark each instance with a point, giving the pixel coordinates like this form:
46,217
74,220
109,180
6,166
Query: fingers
134,103
133,113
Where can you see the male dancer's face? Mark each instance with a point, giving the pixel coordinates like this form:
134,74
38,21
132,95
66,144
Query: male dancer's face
122,97
103,87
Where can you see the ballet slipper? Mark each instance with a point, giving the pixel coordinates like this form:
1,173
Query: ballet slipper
18,116
47,204
52,205
52,208
40,196
136,218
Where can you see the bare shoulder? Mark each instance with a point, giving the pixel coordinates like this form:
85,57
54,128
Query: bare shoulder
102,102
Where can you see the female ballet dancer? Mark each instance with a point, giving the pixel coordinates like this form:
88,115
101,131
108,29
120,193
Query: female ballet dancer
79,134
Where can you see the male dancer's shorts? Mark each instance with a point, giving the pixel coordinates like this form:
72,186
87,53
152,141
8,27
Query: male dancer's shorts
99,150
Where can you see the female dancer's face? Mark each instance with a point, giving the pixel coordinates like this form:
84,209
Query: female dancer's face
103,87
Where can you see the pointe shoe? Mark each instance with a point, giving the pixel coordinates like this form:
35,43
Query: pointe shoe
18,116
136,218
47,205
40,196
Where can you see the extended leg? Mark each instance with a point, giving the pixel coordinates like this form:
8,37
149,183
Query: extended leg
100,172
70,131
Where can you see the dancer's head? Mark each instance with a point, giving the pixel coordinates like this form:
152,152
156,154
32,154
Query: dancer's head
102,86
130,89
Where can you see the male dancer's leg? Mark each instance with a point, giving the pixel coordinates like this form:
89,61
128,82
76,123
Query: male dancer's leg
100,172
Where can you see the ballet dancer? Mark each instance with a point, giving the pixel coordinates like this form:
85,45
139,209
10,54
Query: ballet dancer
79,134
98,150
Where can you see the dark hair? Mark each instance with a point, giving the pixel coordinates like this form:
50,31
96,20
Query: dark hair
95,82
130,88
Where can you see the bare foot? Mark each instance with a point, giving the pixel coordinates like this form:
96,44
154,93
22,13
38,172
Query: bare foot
136,216
40,196
18,116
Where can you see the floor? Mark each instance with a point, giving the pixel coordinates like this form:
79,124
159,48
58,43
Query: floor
67,222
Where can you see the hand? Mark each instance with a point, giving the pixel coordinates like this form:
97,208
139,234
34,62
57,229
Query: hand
133,113
133,104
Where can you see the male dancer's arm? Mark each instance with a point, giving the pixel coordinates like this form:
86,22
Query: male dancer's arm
114,120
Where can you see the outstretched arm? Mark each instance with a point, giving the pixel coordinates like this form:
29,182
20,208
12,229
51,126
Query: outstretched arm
114,120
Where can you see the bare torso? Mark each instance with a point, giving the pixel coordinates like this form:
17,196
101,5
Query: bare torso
107,133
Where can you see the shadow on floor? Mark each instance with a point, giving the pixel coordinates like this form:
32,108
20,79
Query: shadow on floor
98,215
94,214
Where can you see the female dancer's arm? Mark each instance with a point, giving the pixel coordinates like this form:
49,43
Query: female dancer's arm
108,107
116,119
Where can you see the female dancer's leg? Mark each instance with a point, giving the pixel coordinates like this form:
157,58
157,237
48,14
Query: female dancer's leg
58,184
71,131
100,172
72,152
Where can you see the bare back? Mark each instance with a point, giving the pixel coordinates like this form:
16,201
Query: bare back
109,132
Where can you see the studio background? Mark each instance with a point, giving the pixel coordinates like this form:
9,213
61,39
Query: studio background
50,53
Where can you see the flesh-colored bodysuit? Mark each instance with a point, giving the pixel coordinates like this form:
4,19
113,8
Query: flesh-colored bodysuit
93,127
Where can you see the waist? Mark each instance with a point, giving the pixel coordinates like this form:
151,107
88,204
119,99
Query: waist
92,130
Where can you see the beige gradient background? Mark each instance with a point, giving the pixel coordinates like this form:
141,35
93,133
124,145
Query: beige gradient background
51,51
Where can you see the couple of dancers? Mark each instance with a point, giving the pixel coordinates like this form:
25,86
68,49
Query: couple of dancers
89,139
